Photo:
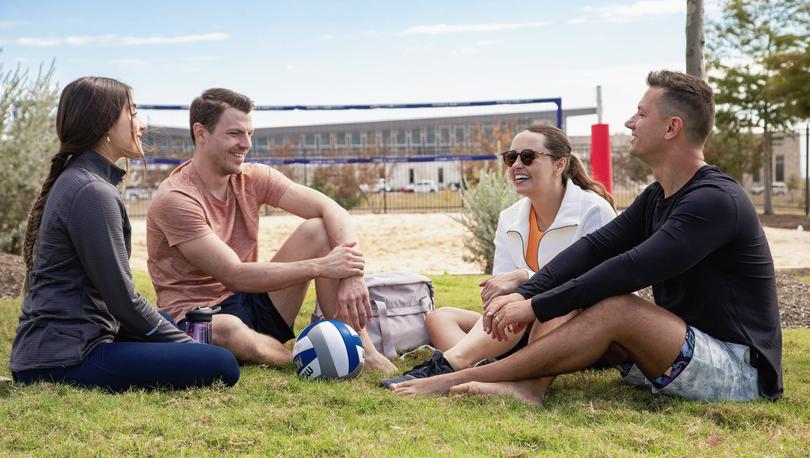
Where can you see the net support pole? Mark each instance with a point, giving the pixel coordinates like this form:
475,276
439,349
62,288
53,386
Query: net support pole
601,167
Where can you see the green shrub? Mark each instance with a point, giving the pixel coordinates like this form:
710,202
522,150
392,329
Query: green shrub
340,184
482,204
27,142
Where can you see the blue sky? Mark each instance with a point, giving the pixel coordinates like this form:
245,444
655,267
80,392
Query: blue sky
317,52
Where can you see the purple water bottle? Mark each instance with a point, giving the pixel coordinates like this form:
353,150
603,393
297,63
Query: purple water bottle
198,323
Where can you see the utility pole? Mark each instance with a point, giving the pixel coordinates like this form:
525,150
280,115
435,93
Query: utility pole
694,39
599,104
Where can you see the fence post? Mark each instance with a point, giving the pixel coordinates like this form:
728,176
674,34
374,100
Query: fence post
807,170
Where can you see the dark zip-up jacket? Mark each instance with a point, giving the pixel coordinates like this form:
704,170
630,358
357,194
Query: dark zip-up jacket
80,291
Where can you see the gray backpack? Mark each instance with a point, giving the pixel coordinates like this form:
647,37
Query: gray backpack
400,301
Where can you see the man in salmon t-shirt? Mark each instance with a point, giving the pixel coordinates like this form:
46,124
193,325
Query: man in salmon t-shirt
202,239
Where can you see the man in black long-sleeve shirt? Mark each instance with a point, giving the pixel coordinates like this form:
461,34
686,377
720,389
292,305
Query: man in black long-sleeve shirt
713,332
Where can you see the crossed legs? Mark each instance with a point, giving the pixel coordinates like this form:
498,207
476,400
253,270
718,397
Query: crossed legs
618,327
308,241
460,335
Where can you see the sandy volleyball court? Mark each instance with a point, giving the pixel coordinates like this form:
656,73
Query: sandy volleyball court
432,243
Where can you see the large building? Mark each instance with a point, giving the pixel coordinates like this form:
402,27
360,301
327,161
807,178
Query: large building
435,137
479,134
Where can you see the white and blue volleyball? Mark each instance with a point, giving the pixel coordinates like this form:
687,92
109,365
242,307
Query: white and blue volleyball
328,350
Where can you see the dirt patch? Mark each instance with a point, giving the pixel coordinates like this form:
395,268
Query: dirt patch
12,271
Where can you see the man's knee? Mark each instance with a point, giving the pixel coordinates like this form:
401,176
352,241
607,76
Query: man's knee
609,313
314,232
228,329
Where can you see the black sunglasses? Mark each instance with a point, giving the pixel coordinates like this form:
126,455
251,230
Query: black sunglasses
526,156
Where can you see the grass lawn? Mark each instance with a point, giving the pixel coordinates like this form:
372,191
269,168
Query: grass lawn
271,412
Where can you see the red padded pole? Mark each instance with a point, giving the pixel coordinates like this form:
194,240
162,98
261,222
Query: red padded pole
601,168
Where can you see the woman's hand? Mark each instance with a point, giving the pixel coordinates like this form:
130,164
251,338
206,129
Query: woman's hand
494,306
508,313
501,284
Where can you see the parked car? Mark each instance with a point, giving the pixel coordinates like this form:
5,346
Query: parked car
382,186
777,189
423,186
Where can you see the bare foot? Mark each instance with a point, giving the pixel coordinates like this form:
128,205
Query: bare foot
378,362
528,391
439,384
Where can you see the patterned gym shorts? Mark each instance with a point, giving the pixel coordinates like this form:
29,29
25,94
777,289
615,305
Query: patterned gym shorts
718,371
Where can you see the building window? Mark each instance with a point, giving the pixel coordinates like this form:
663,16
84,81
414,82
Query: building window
386,137
309,139
779,168
356,138
441,175
410,176
416,137
279,139
445,135
326,140
401,137
341,138
460,135
430,134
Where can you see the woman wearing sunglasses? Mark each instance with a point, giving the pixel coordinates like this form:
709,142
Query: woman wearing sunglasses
560,204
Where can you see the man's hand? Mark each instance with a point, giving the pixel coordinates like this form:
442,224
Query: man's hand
342,262
501,284
353,306
510,313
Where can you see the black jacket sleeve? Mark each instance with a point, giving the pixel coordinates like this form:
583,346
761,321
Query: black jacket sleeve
699,224
96,229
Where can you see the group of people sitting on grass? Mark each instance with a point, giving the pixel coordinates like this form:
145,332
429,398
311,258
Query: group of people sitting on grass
561,298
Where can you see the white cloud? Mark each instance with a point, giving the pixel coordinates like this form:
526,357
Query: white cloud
442,29
623,13
28,41
469,50
121,40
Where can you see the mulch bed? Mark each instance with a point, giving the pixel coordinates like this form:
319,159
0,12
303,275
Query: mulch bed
794,295
785,221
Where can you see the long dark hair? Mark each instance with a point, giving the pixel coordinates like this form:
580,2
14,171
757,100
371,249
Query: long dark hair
88,109
559,147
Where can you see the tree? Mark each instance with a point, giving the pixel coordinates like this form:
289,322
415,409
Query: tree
732,148
744,44
792,81
27,142
694,39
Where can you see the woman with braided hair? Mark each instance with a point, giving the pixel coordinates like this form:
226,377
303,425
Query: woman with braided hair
82,321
